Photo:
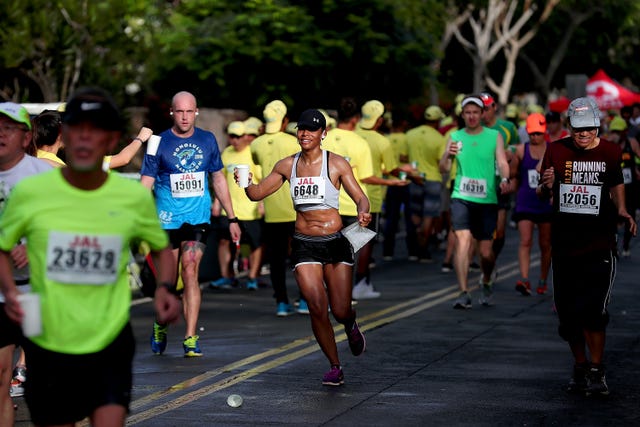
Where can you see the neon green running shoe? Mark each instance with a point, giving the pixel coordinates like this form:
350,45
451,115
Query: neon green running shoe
159,338
191,347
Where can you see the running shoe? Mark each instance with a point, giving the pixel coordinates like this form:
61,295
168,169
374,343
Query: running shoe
542,287
578,382
596,382
486,298
159,338
17,382
303,307
333,377
463,301
284,309
252,285
524,287
447,267
221,283
474,266
357,343
626,253
364,290
191,346
16,389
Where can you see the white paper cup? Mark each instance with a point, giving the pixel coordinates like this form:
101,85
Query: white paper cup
243,175
32,320
152,145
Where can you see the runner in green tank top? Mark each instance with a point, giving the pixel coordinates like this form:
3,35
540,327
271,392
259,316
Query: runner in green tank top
477,151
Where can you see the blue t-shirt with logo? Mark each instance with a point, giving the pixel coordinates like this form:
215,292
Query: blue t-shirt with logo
181,169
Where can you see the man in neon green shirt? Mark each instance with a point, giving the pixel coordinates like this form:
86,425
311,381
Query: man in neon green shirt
79,222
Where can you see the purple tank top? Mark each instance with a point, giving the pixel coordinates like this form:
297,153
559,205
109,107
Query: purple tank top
526,198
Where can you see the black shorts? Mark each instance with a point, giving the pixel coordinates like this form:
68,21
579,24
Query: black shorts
251,231
189,233
10,332
105,378
536,218
582,291
479,218
504,201
331,249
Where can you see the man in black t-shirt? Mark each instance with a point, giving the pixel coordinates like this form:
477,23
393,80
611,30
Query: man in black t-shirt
583,177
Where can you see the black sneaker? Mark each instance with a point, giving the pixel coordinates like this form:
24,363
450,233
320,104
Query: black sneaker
596,382
357,343
463,301
474,266
578,382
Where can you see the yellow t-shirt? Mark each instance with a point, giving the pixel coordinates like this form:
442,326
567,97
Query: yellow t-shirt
356,151
41,154
454,165
398,142
382,159
244,209
266,151
426,146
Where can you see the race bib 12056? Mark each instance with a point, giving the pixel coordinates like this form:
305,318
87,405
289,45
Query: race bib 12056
580,199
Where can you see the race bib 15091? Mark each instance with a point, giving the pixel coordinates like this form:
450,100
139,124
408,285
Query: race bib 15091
190,184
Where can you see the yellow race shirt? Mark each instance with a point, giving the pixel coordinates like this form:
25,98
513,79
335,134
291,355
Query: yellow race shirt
356,151
41,154
426,147
399,145
266,151
244,209
78,253
382,159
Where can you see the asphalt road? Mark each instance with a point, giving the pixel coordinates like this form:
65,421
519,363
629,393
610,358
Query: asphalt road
425,365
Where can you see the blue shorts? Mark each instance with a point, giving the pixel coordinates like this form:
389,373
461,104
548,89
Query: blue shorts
479,218
426,199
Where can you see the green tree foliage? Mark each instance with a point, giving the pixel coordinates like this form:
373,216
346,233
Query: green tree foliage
52,47
242,54
309,53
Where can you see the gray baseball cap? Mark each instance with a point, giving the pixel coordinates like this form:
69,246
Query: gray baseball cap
583,113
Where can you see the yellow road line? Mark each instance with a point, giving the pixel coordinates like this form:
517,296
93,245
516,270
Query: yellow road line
373,320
